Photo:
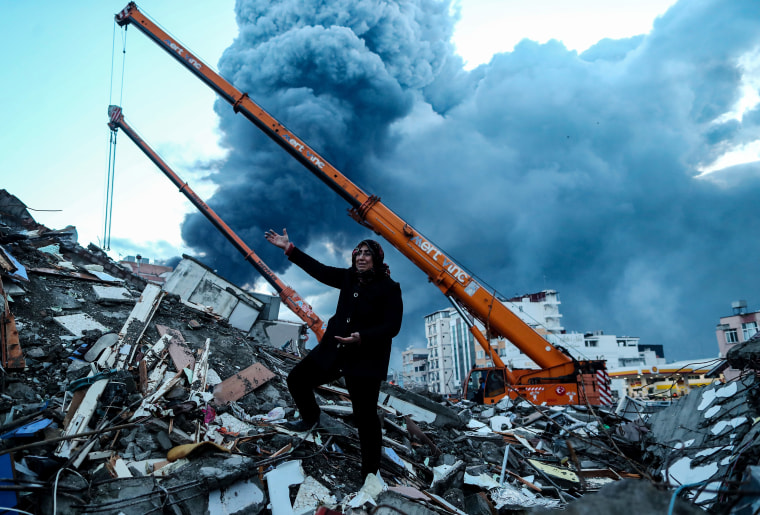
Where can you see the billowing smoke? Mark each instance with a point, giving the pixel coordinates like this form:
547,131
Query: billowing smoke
542,169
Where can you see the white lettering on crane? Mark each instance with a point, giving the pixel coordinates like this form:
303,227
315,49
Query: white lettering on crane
181,52
293,142
451,267
314,159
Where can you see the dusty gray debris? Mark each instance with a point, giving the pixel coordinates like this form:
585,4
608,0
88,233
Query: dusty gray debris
122,418
745,355
623,497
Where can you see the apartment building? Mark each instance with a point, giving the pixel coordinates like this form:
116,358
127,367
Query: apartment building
734,329
414,363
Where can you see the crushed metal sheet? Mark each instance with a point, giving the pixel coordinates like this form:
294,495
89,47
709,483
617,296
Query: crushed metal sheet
512,498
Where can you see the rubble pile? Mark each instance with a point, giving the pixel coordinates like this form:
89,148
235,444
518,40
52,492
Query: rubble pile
117,397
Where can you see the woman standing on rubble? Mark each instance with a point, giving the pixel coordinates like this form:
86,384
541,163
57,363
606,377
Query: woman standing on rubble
356,344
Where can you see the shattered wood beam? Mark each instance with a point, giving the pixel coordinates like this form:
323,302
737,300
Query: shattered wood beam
179,351
81,453
82,417
67,273
399,447
133,330
69,437
527,483
143,409
155,378
142,373
12,356
416,432
198,386
6,263
443,503
155,353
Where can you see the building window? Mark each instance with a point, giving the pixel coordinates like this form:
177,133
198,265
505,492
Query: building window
749,329
731,336
592,343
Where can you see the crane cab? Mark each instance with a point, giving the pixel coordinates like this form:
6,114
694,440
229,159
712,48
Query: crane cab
485,385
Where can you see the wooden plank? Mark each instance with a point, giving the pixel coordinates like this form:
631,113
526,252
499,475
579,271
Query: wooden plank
142,370
143,409
156,351
179,351
155,378
134,328
5,262
81,417
13,357
200,371
76,400
76,275
245,381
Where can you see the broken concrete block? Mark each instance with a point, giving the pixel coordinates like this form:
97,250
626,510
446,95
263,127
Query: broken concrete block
279,481
617,497
404,500
420,408
130,496
311,495
111,293
244,496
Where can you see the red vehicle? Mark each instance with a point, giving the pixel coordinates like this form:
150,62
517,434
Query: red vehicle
559,380
287,294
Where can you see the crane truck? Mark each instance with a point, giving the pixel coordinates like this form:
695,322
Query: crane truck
559,379
287,294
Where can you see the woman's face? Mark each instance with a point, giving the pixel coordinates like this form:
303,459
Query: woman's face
363,259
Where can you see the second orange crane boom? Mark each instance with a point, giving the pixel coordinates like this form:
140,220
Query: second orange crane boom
287,294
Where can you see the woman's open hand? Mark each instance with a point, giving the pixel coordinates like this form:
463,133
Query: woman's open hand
278,240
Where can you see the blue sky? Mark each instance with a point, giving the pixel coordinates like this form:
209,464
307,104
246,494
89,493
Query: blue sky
566,164
56,87
57,83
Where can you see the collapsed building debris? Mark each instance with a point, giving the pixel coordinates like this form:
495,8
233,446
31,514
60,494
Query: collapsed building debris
124,396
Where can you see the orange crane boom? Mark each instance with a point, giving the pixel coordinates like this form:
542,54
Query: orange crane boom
288,296
560,378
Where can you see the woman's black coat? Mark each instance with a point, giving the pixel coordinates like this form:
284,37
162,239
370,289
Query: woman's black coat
373,309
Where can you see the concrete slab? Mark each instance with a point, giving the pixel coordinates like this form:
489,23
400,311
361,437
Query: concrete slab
279,481
244,496
78,323
420,408
311,495
111,293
